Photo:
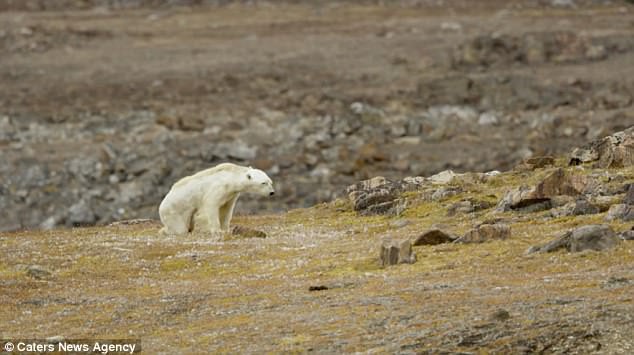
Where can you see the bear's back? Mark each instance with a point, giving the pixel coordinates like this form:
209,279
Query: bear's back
224,167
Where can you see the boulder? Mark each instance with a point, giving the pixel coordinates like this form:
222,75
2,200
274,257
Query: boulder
620,211
613,151
627,235
468,206
485,233
81,214
433,237
576,208
377,196
591,237
396,252
443,177
37,272
557,183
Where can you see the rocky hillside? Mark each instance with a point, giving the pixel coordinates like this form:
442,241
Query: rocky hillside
101,110
539,259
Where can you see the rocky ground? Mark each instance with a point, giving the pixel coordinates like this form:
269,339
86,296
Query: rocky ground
104,104
539,259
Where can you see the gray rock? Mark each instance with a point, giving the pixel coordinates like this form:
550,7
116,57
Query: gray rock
445,192
591,237
559,182
400,223
621,211
485,233
613,151
577,208
81,214
434,237
396,252
627,235
443,177
377,196
629,195
468,206
37,272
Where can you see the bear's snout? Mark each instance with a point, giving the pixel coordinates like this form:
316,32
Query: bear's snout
271,193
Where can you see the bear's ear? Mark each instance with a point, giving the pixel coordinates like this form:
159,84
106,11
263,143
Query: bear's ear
249,176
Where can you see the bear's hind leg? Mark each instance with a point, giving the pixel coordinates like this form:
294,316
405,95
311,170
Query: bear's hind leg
175,223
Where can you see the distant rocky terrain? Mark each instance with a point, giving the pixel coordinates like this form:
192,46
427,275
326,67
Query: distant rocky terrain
101,113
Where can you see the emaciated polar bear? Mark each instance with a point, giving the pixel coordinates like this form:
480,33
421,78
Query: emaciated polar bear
205,201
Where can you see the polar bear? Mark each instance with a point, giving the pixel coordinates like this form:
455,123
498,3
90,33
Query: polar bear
205,201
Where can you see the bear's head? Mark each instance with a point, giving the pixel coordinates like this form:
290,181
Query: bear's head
260,183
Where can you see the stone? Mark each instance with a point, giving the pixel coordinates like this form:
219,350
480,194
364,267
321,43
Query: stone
627,235
434,237
614,151
400,223
620,211
596,237
468,206
485,233
397,252
445,192
37,272
81,214
442,178
629,195
593,237
377,196
245,232
576,208
559,182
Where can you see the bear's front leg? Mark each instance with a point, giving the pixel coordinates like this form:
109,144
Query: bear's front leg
226,213
213,221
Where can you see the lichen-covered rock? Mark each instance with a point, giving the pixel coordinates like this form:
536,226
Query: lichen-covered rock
591,237
629,196
620,211
433,237
485,233
557,183
377,196
576,208
396,252
613,151
468,206
443,177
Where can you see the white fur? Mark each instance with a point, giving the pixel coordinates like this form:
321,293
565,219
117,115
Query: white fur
205,201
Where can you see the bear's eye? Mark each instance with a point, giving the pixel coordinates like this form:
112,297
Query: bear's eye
263,183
